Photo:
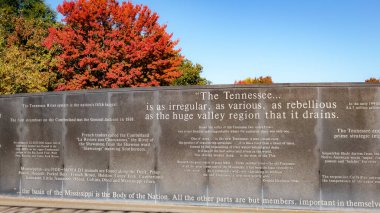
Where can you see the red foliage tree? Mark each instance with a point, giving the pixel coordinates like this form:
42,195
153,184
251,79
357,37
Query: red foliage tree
106,44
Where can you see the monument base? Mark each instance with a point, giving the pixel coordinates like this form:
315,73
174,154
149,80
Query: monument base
135,207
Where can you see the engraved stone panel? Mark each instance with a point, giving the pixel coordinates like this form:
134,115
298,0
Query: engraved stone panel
291,146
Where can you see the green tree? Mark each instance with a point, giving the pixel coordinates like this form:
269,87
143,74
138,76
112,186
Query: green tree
191,75
27,9
21,73
24,61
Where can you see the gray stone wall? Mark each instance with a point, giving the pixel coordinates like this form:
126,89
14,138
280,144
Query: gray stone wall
293,146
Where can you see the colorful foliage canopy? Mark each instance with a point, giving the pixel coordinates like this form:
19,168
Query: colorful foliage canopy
27,9
259,80
191,75
106,44
372,80
24,61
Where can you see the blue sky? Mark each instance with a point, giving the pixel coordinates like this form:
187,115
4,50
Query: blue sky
290,40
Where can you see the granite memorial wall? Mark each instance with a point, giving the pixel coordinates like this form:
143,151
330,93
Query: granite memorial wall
293,146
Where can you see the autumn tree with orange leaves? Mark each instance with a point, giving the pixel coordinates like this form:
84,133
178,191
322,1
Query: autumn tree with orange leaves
259,80
372,81
105,44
